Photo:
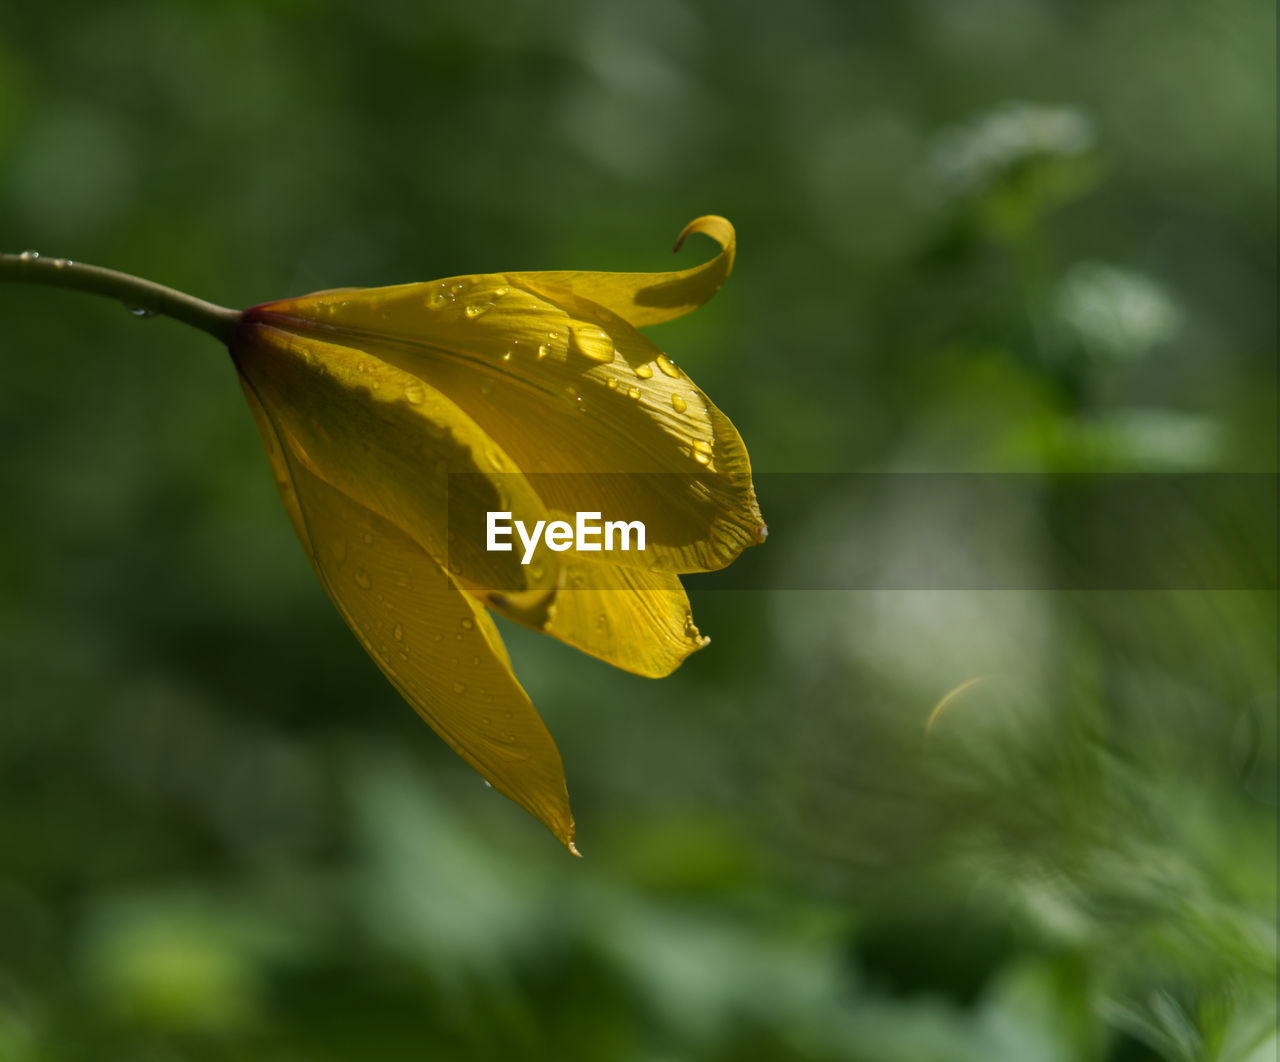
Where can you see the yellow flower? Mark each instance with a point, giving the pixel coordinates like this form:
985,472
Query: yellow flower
396,418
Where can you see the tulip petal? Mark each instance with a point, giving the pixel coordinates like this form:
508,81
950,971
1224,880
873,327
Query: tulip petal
649,298
396,445
636,620
572,389
436,645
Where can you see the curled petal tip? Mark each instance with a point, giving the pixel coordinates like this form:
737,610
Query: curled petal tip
718,228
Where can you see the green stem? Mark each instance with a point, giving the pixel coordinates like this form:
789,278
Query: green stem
141,296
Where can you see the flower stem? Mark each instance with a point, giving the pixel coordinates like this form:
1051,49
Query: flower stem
142,297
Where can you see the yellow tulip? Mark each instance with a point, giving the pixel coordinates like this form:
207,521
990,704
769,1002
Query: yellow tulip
394,416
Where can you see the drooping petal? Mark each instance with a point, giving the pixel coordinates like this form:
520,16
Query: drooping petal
648,298
399,447
437,646
636,620
601,419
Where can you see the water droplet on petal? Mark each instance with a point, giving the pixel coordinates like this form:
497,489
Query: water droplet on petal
140,311
633,392
367,538
678,404
644,371
476,309
458,687
668,366
398,633
611,383
29,256
414,394
592,342
362,579
468,623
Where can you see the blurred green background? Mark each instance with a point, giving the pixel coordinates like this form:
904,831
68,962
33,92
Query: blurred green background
992,236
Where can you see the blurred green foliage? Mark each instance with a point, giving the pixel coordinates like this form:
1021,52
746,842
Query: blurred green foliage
1003,235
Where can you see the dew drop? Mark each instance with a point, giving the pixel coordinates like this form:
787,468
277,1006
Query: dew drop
29,256
362,579
458,687
404,656
438,300
367,538
475,661
701,458
140,311
414,394
702,446
397,632
644,371
633,392
592,342
477,309
571,391
668,366
468,623
611,383
678,404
